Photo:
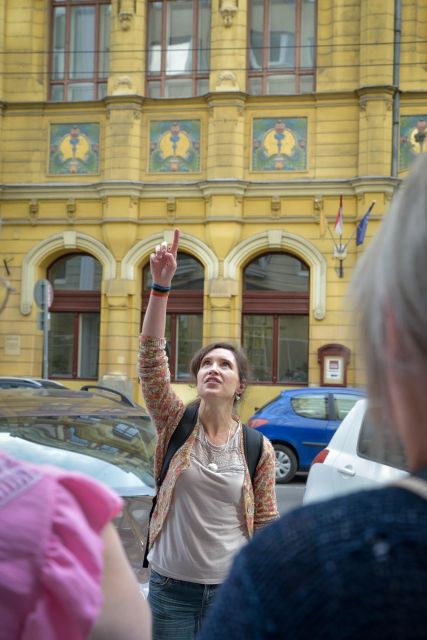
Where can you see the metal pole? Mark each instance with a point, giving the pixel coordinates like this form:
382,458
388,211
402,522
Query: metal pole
45,330
396,89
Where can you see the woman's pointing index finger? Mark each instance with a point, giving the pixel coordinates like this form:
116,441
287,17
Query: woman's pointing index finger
175,243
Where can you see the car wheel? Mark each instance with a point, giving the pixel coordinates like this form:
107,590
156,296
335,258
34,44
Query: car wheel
286,463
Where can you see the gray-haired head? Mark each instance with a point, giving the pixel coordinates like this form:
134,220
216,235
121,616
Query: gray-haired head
392,276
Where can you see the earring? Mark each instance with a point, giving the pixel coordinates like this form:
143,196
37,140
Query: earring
237,397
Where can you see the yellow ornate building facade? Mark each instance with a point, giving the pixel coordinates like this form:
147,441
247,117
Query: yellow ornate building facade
239,121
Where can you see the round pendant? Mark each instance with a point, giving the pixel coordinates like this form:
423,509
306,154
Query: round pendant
213,467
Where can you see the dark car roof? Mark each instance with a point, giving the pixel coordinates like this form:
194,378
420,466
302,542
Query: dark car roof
26,401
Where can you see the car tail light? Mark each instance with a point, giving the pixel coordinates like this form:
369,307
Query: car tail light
256,422
321,457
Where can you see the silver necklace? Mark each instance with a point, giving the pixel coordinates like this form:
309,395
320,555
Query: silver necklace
212,465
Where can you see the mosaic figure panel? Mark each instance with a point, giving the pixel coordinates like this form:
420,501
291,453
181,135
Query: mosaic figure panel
279,144
412,139
175,146
74,149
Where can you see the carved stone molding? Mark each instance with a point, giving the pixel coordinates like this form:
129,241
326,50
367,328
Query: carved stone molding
227,81
50,246
228,9
126,10
363,103
318,204
71,208
123,86
283,240
171,206
275,204
33,210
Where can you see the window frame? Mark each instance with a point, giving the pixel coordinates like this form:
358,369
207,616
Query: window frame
265,71
75,302
162,76
96,80
275,304
325,396
372,448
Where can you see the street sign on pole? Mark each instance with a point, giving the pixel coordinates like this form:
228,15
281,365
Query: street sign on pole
43,297
39,296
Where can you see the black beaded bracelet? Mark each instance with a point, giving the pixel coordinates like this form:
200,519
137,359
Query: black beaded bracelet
160,288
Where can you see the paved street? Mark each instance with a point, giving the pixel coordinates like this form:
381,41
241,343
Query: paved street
290,495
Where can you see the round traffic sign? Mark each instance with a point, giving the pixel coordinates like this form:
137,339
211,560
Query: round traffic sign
43,290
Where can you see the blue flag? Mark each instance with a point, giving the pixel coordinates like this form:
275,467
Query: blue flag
363,225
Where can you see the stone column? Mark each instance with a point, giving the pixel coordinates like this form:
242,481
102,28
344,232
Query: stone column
338,41
375,126
228,45
2,48
222,322
127,57
25,32
376,43
117,363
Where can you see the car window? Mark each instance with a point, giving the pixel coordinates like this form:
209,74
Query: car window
15,384
380,444
117,451
343,402
311,406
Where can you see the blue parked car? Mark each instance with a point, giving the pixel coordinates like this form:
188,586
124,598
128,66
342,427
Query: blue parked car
301,422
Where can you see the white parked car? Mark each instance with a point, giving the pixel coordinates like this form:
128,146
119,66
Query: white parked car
357,457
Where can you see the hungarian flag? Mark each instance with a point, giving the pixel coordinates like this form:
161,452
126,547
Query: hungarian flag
338,219
363,225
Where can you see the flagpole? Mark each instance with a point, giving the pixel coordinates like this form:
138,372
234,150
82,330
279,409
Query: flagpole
355,230
350,238
333,239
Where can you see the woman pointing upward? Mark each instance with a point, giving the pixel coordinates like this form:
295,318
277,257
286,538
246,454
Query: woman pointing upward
207,506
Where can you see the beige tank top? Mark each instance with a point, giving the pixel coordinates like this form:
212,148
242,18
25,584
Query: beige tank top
205,525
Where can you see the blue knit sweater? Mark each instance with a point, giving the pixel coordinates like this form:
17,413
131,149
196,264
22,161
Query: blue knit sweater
353,567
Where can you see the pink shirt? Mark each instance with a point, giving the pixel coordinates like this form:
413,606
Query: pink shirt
51,553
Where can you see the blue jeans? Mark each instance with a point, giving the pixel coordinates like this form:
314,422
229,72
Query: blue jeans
177,606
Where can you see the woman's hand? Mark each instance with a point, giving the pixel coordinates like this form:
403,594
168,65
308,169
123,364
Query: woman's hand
163,261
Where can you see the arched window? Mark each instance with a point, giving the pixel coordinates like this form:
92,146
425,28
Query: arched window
275,318
74,324
184,320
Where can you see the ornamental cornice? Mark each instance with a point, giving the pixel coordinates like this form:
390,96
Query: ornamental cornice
301,187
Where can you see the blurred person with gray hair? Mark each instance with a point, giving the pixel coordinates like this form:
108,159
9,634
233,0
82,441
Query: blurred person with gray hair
356,566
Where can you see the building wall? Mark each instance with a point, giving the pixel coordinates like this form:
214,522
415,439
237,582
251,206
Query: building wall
228,210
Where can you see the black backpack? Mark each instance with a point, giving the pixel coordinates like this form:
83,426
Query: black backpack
252,446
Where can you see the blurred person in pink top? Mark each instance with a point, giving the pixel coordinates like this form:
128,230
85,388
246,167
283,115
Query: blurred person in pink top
63,571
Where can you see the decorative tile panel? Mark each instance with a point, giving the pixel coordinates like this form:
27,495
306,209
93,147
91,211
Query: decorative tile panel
279,144
413,141
74,149
175,146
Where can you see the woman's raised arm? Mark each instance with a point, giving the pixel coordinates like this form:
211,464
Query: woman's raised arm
163,267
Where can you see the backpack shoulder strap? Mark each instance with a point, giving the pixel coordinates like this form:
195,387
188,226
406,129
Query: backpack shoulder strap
252,445
183,429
